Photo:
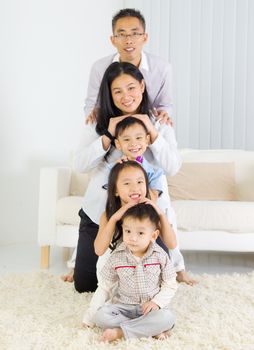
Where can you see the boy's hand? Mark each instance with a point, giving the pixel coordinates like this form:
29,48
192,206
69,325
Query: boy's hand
149,306
122,159
154,194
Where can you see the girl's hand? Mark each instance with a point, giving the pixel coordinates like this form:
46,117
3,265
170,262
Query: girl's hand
149,306
149,201
149,125
119,213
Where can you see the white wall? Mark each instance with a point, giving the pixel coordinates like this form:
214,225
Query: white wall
211,47
47,48
46,51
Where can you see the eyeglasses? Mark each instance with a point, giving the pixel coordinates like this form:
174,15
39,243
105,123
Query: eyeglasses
133,36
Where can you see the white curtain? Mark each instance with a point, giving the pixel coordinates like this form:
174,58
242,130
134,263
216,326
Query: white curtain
210,44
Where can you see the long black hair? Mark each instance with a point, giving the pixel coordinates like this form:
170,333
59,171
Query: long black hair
106,108
113,202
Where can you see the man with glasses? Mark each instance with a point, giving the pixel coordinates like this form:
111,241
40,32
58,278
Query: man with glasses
129,37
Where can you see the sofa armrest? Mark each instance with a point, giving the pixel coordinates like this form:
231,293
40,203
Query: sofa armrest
54,184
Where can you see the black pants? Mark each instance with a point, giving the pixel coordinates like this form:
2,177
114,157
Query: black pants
85,279
161,244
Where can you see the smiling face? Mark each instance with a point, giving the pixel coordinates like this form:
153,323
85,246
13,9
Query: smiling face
131,185
133,141
129,47
127,93
138,234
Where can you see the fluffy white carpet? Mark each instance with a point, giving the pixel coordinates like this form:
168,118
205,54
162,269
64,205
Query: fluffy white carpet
39,311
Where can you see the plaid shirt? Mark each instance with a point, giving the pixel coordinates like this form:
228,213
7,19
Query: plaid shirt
138,281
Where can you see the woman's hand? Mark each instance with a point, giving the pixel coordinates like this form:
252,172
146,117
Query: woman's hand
106,141
113,122
149,125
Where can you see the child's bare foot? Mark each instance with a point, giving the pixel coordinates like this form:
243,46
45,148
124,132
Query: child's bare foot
163,335
68,277
182,276
112,334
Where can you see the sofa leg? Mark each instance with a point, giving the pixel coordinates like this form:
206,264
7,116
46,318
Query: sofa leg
66,254
45,251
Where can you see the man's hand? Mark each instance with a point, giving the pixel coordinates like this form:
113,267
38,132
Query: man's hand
91,118
162,116
149,306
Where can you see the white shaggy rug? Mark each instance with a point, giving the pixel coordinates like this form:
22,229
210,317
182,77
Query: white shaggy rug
39,311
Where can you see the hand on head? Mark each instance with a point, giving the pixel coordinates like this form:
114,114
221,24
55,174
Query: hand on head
153,204
162,116
122,159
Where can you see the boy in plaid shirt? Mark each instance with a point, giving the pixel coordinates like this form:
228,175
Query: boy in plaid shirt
145,277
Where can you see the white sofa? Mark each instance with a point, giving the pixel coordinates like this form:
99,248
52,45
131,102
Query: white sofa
213,196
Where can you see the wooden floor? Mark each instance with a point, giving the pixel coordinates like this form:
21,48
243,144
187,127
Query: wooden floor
21,258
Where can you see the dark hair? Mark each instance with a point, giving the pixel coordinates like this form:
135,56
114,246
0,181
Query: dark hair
128,13
106,108
113,202
127,122
143,211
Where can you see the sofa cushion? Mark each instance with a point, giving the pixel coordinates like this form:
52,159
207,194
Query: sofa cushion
203,181
67,210
244,166
231,216
79,182
190,215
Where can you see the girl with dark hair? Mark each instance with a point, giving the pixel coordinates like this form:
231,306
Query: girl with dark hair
127,187
122,93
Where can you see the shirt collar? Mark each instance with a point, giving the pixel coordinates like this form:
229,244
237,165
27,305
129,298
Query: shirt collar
139,159
153,247
143,63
